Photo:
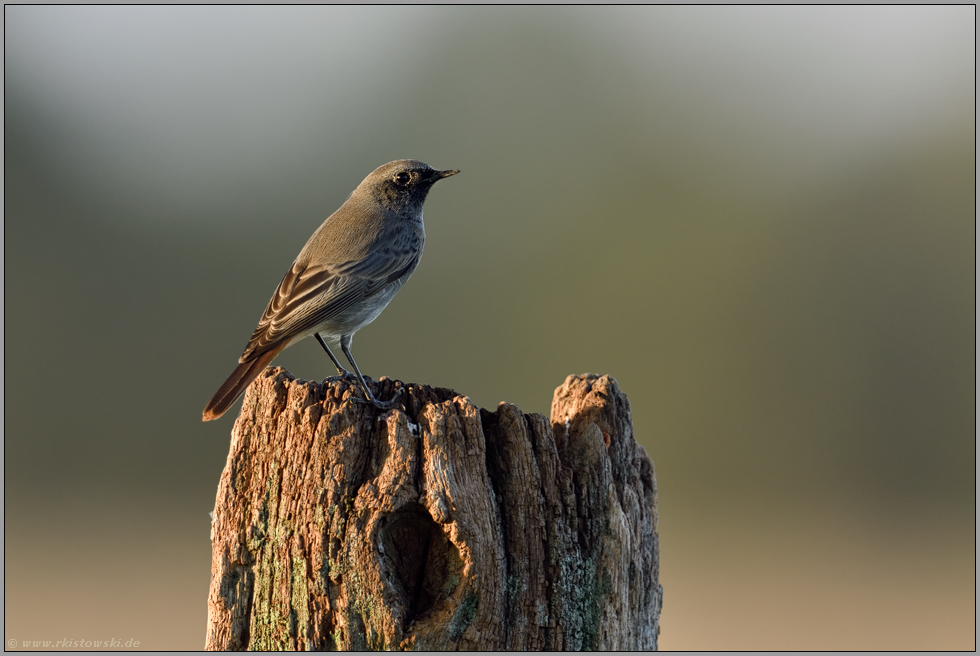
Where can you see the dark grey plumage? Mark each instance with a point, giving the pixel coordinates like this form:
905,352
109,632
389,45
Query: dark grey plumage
346,274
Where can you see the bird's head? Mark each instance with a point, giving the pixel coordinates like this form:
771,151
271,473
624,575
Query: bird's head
401,186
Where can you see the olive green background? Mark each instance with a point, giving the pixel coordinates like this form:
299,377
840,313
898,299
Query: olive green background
761,221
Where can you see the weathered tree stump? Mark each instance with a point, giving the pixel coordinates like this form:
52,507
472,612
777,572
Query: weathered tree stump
339,526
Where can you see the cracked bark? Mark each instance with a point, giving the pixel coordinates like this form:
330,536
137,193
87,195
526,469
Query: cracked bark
436,526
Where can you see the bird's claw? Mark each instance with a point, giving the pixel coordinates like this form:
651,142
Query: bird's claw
380,405
346,376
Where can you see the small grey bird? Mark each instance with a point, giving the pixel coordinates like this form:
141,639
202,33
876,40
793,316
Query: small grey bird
347,273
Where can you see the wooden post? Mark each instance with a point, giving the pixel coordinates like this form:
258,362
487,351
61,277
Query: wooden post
446,526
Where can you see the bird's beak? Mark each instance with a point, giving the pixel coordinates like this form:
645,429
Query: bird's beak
445,174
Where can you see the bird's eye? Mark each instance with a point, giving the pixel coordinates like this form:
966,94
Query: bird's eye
402,178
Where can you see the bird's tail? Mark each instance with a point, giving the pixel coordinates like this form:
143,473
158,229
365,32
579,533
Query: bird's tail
241,378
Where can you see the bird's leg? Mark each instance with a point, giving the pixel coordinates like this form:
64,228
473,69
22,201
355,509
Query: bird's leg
345,341
344,374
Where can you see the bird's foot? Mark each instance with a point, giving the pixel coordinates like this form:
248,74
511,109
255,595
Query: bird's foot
380,405
348,376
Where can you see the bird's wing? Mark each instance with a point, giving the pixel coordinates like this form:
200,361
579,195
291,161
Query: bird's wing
311,294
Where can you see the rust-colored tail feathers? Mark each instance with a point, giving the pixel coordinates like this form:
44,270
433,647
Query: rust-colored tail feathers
241,378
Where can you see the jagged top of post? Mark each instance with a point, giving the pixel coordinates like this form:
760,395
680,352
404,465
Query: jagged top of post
586,398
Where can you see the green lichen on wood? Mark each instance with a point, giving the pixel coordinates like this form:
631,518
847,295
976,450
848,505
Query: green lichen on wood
365,602
514,588
463,617
355,637
318,518
578,601
592,607
365,614
376,641
454,570
271,629
300,603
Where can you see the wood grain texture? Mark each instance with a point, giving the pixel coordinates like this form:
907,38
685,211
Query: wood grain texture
438,526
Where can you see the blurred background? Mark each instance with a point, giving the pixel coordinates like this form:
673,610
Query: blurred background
761,221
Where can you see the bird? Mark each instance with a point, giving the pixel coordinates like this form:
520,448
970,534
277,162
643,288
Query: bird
345,275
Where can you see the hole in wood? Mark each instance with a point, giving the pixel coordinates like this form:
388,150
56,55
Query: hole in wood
425,565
